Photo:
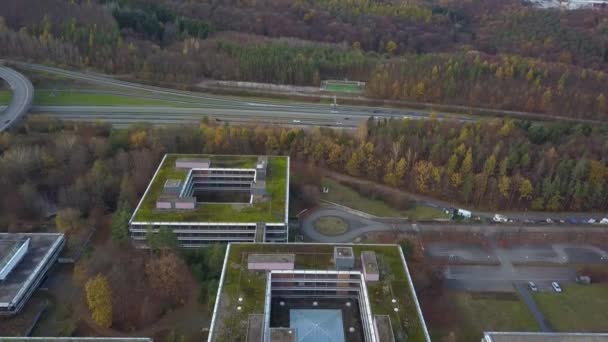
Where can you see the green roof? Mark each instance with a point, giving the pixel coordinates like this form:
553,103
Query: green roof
231,324
272,210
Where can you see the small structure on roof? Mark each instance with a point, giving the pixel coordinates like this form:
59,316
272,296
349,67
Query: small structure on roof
344,258
384,329
192,163
269,262
369,265
283,335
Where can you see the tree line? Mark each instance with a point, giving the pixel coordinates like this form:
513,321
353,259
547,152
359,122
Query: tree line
500,55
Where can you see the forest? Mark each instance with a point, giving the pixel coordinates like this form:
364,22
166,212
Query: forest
94,170
498,54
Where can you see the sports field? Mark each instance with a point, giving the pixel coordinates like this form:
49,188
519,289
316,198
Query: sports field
343,86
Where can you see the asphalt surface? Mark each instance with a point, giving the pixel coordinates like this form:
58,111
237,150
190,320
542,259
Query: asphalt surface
23,95
222,108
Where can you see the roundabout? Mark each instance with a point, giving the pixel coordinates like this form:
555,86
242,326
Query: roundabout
331,225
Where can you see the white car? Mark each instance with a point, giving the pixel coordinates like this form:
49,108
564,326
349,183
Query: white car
556,287
500,218
532,286
296,121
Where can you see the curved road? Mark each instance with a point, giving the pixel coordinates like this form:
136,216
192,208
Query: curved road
23,95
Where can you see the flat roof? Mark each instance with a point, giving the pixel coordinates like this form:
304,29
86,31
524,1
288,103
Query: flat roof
345,252
271,210
544,337
8,247
42,245
231,324
71,339
271,258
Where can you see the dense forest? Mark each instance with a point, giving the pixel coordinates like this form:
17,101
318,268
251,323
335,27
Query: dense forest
487,53
93,170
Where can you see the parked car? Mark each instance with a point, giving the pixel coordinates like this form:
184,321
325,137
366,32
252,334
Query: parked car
532,286
556,287
499,218
583,279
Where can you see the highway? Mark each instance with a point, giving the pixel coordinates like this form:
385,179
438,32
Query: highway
23,95
221,108
298,115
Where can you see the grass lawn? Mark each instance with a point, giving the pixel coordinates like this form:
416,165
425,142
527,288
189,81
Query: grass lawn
423,212
347,196
5,97
63,98
331,225
578,308
490,312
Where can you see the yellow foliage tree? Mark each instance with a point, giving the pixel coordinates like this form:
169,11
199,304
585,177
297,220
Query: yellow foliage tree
391,46
99,300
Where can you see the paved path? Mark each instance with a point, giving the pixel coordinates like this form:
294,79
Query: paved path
527,298
23,95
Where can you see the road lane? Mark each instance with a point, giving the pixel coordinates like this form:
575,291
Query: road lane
23,95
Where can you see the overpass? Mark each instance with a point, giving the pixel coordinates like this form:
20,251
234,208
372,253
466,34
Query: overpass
23,95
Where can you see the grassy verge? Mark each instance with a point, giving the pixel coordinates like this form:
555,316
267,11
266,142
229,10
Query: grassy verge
578,308
344,195
347,196
477,313
423,212
5,97
66,98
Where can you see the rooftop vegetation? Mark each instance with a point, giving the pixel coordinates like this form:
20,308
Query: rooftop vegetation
272,210
251,286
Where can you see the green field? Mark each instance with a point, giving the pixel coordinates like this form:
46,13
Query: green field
477,313
5,97
578,308
347,196
64,98
343,87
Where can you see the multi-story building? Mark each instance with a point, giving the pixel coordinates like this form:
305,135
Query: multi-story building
25,260
303,292
216,198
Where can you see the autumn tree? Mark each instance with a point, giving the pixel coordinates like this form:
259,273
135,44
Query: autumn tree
168,275
68,220
99,300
